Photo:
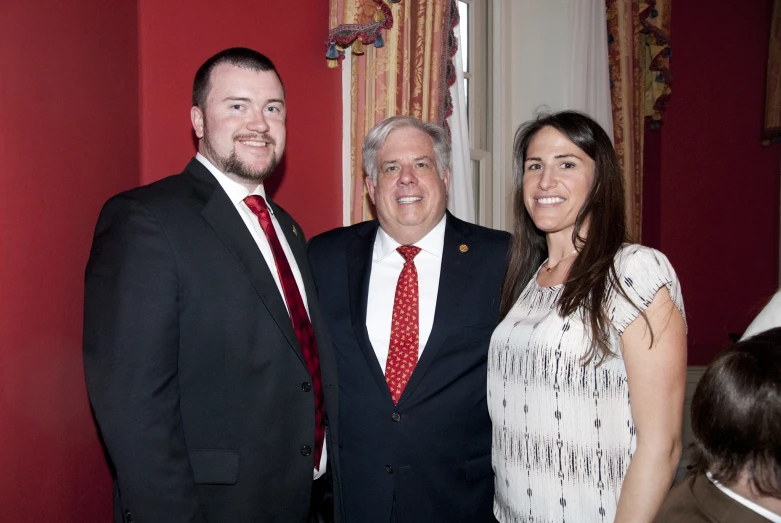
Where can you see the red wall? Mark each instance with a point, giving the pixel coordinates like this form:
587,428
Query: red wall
68,140
73,75
716,189
176,37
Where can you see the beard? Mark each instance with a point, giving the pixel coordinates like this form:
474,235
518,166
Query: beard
234,165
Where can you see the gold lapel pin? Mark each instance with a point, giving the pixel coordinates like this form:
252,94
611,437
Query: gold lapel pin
295,231
463,247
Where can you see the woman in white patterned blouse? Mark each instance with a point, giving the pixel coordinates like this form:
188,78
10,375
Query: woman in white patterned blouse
589,320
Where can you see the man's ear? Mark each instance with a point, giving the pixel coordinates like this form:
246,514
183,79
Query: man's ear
370,188
196,117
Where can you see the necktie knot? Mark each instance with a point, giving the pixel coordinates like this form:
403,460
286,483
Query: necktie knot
408,252
256,204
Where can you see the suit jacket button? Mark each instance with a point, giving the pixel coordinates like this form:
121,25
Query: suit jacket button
388,469
306,386
396,416
306,450
128,516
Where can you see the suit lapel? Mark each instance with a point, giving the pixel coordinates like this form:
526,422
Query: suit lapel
297,242
295,239
221,214
359,262
456,267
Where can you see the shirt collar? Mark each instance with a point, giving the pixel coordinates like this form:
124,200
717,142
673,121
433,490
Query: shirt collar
235,191
762,511
433,242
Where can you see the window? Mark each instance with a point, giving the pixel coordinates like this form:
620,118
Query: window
475,51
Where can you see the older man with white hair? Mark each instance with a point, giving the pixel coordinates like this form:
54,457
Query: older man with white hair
411,300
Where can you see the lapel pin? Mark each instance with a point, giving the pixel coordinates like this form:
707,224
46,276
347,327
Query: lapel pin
295,231
463,247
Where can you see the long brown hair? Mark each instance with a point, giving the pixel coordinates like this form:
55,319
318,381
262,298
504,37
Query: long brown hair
593,272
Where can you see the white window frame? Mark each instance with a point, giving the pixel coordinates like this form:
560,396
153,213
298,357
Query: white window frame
501,110
478,56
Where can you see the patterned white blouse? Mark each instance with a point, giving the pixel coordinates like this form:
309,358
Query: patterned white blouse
563,434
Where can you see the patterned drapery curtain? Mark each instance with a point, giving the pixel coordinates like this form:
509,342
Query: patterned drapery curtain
401,64
638,43
772,131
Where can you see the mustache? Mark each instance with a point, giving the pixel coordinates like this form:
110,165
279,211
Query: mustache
255,138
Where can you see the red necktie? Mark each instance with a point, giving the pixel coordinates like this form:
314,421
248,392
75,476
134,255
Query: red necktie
404,341
298,315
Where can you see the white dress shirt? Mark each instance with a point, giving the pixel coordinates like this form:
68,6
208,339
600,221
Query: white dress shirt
762,511
768,318
386,268
237,192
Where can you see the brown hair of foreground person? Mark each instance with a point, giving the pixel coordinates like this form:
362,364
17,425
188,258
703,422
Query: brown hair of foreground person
736,415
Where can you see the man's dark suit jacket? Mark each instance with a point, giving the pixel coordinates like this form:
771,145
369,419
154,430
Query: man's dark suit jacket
429,457
194,372
696,500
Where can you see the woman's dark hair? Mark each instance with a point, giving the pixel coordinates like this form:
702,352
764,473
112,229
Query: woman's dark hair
736,415
601,221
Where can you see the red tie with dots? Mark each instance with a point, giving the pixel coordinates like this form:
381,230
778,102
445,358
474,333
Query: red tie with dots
405,339
298,315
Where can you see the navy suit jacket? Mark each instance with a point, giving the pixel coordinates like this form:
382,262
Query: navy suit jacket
198,383
428,458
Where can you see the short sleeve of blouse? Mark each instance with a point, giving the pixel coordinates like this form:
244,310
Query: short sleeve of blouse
642,271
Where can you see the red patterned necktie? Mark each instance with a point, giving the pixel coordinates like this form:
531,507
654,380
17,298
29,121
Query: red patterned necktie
405,340
298,315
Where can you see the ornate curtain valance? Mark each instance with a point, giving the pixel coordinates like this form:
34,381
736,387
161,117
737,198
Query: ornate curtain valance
655,39
355,23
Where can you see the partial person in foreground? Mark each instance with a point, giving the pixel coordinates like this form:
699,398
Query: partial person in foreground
736,423
207,363
590,320
411,301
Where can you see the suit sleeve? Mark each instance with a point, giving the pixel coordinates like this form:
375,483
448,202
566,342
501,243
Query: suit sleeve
131,338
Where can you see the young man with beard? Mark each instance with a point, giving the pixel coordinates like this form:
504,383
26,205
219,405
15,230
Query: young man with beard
206,359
